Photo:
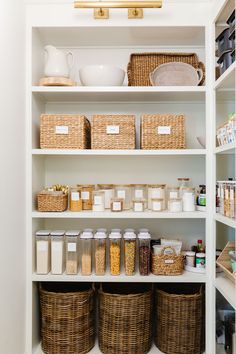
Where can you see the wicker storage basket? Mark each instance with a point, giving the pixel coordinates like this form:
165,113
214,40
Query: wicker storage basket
67,312
113,132
52,201
223,261
125,323
63,131
179,318
142,64
162,131
167,264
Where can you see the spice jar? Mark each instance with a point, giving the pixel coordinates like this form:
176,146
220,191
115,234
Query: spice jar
157,204
86,252
109,193
117,204
43,252
100,252
87,196
115,252
75,199
188,195
98,201
183,183
71,238
57,251
190,258
200,260
124,192
175,205
156,191
140,191
129,252
138,204
144,239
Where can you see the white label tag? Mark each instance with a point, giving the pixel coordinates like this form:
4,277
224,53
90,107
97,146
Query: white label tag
75,196
138,194
156,206
173,195
42,246
62,129
85,195
97,200
163,130
116,206
156,193
138,207
71,247
121,194
169,261
113,129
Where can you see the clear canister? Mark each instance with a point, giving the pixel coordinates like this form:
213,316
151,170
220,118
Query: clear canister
227,199
175,205
138,205
157,204
100,252
43,252
232,200
57,251
71,238
98,201
172,193
109,193
144,239
86,239
75,199
124,192
115,252
87,196
117,204
156,191
183,183
188,197
129,252
140,191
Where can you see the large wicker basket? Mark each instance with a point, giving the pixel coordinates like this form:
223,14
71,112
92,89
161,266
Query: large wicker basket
179,318
67,313
125,324
171,264
223,261
52,201
113,132
64,131
162,131
142,64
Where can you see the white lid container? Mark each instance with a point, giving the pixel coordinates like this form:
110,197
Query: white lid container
86,235
115,235
100,235
72,233
129,235
58,233
144,235
43,233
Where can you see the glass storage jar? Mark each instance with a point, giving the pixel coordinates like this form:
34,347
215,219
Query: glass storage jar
157,204
87,195
156,191
109,193
129,252
98,201
124,192
183,183
172,193
140,191
86,239
117,204
144,239
75,199
100,252
175,205
71,238
43,252
138,204
188,197
232,200
115,252
57,251
227,199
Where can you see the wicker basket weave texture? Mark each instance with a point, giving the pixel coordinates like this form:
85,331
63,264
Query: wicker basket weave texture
142,64
68,324
150,137
125,139
78,136
162,264
125,324
48,202
179,317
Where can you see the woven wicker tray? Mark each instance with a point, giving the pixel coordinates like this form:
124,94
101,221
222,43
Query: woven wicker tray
223,261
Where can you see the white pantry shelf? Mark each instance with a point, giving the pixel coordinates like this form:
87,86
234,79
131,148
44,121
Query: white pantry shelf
226,149
186,277
225,220
119,215
120,93
226,288
137,152
227,79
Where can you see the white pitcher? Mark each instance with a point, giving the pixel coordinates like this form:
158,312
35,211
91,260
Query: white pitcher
57,62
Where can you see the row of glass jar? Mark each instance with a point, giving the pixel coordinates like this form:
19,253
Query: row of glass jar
155,197
226,198
59,251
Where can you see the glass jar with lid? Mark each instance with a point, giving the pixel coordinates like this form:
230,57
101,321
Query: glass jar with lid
57,251
109,193
100,252
156,191
172,192
183,183
117,204
188,196
115,252
98,201
75,199
86,239
124,192
138,205
157,204
144,251
175,205
87,195
43,252
71,238
140,191
129,252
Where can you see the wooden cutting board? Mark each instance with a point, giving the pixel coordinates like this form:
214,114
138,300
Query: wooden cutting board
56,81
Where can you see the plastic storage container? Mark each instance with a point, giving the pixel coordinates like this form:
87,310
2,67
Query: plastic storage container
129,253
43,252
100,252
115,252
71,238
144,250
57,251
86,239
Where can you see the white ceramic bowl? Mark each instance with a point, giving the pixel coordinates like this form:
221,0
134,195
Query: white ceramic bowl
202,141
101,75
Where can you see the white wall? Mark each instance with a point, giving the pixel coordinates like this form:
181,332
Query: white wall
12,166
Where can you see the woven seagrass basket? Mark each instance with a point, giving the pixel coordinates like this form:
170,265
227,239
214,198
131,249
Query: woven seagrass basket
52,201
67,318
125,318
64,131
162,131
142,64
113,132
170,264
179,318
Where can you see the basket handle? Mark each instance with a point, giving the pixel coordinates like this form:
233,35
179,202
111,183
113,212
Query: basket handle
151,78
168,247
200,75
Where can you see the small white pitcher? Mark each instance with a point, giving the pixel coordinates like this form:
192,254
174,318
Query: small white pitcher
57,63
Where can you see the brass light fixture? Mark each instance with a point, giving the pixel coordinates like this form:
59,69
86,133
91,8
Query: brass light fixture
101,8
